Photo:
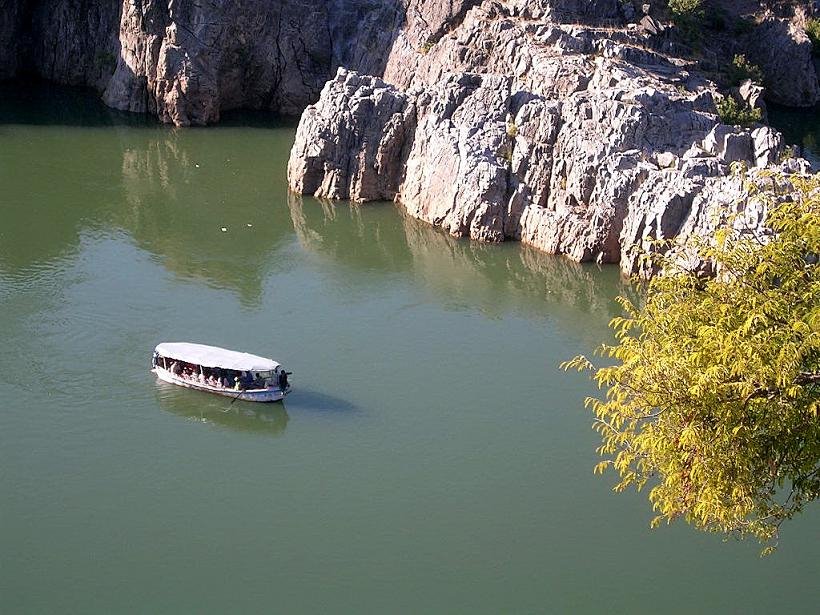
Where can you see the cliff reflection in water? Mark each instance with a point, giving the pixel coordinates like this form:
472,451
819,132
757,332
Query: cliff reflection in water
183,189
172,192
72,168
267,419
462,274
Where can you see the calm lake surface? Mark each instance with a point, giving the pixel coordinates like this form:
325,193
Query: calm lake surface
432,457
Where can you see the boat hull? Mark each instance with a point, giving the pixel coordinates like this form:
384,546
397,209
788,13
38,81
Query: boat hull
258,395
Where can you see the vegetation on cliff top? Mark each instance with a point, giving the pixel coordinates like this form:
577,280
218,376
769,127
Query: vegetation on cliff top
714,395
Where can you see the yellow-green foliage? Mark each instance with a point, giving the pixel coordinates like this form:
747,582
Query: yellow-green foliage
685,8
813,32
733,113
741,69
713,399
688,17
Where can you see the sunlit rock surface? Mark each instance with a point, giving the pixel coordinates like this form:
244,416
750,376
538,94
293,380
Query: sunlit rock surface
616,166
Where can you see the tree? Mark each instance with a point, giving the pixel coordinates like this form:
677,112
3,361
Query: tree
713,397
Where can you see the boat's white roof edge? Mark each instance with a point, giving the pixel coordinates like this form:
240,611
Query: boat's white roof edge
213,356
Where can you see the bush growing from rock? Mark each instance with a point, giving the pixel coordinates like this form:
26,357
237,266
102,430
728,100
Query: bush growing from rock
688,17
686,8
813,32
741,69
733,113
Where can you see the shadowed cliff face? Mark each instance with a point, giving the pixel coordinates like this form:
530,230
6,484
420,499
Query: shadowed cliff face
69,41
188,62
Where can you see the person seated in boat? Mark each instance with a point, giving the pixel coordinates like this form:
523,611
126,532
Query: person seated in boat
237,385
246,378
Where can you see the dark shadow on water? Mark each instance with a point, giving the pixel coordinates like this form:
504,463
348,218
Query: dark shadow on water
201,407
32,101
800,127
41,103
314,401
247,118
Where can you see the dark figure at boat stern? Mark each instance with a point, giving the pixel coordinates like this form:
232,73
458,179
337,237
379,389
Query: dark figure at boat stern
283,379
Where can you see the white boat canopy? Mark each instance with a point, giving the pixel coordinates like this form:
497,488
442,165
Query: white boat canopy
212,356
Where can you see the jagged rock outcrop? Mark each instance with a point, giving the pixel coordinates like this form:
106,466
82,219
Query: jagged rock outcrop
616,150
68,41
784,52
187,62
372,123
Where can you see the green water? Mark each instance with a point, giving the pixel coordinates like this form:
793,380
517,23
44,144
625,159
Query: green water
801,129
432,458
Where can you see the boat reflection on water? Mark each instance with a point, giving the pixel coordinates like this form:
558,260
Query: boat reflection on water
196,406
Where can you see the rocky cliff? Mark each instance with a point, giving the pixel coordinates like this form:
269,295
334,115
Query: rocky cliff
186,62
582,127
583,139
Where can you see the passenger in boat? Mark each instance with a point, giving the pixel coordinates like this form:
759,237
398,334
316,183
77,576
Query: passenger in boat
246,379
237,386
175,369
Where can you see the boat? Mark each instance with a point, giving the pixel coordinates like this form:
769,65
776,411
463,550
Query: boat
239,375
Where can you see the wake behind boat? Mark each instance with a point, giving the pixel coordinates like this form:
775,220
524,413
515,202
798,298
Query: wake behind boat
216,370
